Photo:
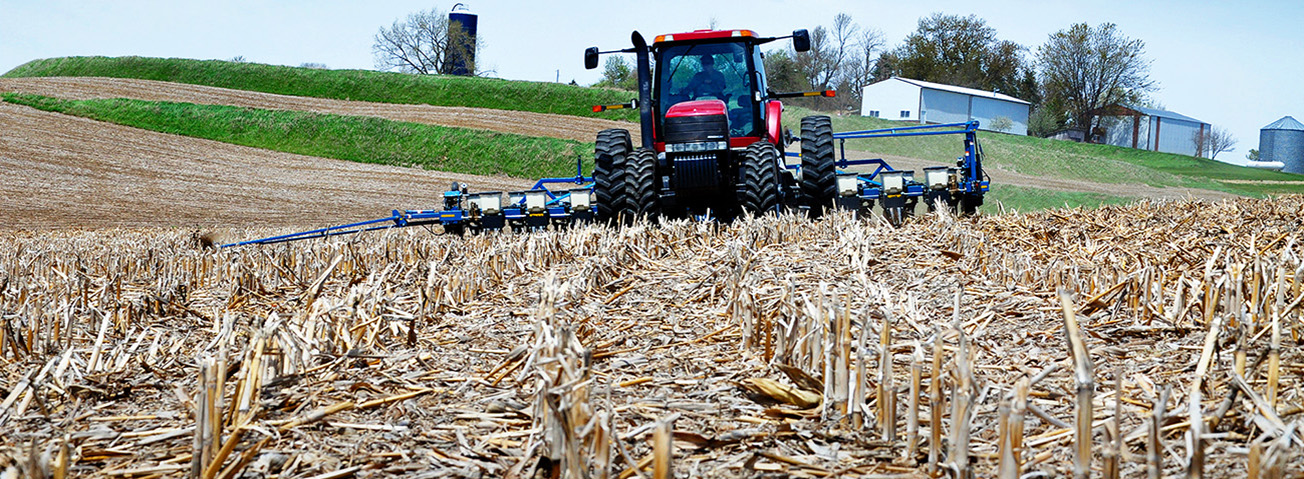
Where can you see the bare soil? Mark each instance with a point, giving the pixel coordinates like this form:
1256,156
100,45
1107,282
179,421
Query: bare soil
59,171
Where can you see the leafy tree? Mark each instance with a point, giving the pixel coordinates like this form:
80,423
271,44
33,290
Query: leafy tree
886,66
424,43
782,73
1253,155
618,73
1087,68
1045,120
961,51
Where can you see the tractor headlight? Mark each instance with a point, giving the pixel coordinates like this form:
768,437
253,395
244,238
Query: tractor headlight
536,201
894,182
848,184
937,177
697,147
581,199
489,203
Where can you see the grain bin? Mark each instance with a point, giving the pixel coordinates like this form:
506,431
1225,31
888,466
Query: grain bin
1283,141
461,31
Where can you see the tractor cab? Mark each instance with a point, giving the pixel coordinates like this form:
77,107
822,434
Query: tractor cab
720,72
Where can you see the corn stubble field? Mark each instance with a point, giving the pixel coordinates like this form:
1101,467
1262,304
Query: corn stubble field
1054,344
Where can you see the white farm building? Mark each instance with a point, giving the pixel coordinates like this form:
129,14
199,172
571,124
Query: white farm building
1150,129
926,102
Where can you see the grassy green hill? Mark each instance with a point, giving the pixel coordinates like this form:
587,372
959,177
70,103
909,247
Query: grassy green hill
1069,160
452,149
352,138
360,85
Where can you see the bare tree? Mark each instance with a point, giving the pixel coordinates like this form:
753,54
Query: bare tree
422,43
829,51
1088,68
1213,141
859,71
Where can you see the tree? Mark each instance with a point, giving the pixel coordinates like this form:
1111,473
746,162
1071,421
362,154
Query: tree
618,73
1087,68
886,66
1046,119
859,71
961,51
1253,155
1213,141
424,43
841,57
781,72
829,51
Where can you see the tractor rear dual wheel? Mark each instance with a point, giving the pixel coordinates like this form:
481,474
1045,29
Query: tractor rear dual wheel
610,188
818,174
758,179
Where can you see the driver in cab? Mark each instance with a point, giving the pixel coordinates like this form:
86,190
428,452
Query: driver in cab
708,83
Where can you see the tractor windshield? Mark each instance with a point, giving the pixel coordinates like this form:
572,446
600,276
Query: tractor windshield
709,71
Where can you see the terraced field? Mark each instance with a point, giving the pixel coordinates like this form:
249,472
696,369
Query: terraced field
57,164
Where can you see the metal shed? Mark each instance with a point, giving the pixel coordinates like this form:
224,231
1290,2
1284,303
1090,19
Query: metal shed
1283,140
1150,129
926,102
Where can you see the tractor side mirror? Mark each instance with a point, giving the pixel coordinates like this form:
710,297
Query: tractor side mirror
591,57
801,40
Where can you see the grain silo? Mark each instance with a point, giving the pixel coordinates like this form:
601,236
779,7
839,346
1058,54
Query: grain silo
1283,141
462,26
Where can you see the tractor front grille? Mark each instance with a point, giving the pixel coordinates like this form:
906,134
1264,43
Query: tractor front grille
696,171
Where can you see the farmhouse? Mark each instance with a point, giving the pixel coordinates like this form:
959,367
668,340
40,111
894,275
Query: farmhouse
1150,129
926,102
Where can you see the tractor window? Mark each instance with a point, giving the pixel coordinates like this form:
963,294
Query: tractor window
712,71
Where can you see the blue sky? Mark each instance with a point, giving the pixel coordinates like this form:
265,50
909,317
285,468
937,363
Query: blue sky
1238,65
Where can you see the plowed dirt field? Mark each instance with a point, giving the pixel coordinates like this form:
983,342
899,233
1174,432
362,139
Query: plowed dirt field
66,172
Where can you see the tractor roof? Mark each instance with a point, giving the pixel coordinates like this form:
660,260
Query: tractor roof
697,35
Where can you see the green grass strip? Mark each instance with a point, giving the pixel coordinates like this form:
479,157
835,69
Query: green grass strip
1026,199
1066,159
360,139
361,85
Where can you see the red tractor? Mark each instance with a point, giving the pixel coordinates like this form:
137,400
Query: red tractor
712,142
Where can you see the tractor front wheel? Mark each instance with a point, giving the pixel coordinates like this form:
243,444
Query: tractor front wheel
643,199
758,179
609,185
818,174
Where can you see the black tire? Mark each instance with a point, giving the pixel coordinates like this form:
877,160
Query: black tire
644,198
818,175
758,179
609,168
969,204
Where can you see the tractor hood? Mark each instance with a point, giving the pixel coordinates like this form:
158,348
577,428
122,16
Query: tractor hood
697,108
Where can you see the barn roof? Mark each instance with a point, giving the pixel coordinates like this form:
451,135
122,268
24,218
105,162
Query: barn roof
961,90
1133,110
1285,123
1164,113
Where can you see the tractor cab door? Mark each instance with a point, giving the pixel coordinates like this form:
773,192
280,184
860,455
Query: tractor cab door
709,71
